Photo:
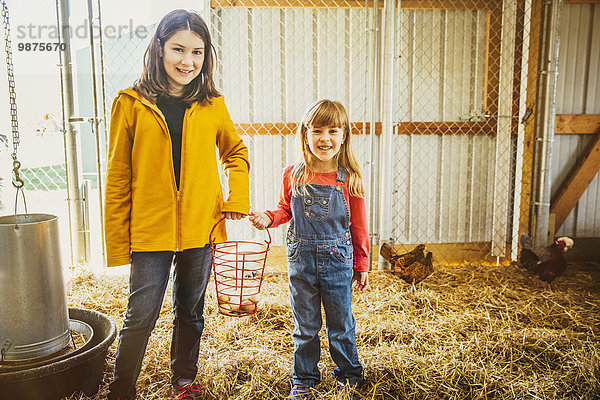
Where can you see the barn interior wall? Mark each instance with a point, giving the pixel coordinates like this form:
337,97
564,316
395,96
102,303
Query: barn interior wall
450,160
578,92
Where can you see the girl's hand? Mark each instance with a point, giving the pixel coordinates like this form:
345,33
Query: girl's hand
233,215
360,280
260,220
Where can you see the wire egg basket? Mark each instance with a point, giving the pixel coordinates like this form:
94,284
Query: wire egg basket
238,269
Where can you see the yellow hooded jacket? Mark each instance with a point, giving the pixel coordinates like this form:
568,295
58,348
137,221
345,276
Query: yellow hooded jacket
144,211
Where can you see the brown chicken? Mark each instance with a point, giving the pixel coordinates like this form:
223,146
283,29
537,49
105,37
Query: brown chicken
417,271
548,262
400,261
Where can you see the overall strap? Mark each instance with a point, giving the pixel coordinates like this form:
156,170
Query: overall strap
341,175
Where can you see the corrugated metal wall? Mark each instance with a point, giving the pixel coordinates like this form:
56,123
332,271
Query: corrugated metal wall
441,67
448,186
444,188
283,59
578,92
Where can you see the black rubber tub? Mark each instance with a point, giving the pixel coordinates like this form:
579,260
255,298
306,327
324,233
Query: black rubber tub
80,371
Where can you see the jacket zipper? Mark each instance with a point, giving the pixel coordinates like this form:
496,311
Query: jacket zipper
177,219
181,175
177,190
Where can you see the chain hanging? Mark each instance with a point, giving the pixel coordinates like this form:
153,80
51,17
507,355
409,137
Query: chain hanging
17,182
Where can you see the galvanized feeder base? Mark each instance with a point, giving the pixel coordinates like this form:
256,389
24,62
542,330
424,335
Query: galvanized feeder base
66,374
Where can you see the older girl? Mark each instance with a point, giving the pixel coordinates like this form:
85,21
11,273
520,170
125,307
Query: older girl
163,194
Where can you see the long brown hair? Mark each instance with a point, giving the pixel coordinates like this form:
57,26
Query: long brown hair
153,84
327,113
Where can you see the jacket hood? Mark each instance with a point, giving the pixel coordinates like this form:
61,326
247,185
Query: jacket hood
135,95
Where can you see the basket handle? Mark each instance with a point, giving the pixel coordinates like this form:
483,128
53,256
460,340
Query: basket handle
212,241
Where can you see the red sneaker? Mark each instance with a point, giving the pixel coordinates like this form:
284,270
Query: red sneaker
190,391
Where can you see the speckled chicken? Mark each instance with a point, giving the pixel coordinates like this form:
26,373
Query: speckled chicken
548,262
417,271
400,261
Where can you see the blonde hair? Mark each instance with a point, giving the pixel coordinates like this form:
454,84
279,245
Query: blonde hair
327,113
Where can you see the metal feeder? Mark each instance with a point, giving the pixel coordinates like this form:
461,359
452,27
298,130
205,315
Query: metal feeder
39,357
33,305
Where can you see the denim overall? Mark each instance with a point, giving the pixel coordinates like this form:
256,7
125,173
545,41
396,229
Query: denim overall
320,264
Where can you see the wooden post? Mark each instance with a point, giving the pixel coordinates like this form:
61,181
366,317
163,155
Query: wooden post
532,89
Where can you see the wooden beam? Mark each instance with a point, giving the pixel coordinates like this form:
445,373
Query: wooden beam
518,66
448,128
267,128
290,128
565,124
528,140
402,128
453,253
287,4
576,182
405,4
577,124
448,5
581,1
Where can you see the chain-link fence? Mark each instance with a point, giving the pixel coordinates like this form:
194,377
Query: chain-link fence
457,106
459,73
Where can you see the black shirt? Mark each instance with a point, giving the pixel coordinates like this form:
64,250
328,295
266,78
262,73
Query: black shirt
174,113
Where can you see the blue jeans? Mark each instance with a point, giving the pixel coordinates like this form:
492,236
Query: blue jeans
148,281
320,272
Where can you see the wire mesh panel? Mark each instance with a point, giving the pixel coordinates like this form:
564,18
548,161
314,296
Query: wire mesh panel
457,106
123,62
37,141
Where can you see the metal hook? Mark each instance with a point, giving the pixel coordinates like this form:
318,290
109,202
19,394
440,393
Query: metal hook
17,182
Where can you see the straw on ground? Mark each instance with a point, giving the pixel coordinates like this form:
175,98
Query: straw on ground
467,332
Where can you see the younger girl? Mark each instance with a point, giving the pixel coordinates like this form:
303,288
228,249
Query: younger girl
163,194
327,244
